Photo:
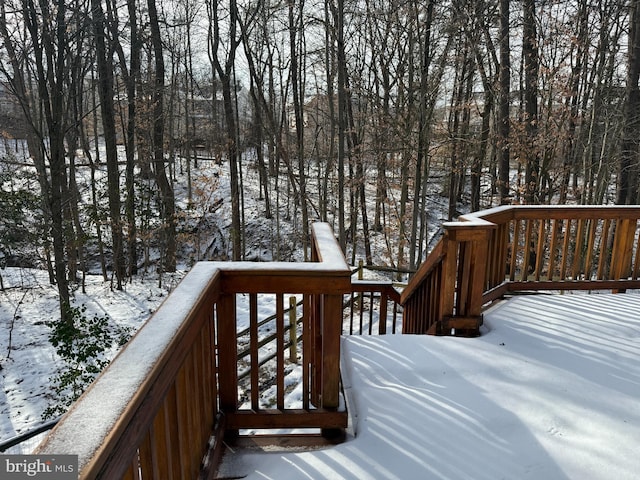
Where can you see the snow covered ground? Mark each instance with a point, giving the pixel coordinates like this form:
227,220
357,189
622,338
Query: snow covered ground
553,396
28,361
550,390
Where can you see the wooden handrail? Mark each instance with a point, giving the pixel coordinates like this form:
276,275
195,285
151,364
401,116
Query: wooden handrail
153,411
372,308
488,254
138,390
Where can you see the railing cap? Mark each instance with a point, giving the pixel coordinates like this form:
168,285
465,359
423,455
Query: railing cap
108,396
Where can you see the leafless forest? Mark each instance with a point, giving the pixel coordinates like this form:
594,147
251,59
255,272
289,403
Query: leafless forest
353,108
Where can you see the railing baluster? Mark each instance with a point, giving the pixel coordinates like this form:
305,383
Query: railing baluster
184,424
503,255
132,472
170,419
371,299
382,319
526,250
280,351
148,457
603,261
293,330
565,249
555,231
193,407
395,316
209,404
360,313
351,309
493,264
307,347
541,241
636,263
514,250
155,453
253,356
577,268
591,239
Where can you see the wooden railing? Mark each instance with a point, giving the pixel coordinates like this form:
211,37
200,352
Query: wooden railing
489,254
372,308
162,407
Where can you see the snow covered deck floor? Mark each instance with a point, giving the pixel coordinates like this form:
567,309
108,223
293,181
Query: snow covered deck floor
551,390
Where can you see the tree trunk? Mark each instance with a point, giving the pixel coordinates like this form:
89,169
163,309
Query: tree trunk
105,86
167,199
131,80
581,49
224,73
338,15
530,54
297,87
503,107
49,44
423,137
628,170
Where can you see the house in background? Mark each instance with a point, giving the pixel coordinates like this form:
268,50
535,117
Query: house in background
13,123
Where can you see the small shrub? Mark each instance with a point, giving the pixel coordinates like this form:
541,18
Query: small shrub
81,342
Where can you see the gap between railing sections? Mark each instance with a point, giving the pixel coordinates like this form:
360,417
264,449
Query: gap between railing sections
368,303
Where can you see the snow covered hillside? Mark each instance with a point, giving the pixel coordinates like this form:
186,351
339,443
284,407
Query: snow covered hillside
28,361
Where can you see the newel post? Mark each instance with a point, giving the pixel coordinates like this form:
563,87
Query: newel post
227,356
464,276
331,329
325,321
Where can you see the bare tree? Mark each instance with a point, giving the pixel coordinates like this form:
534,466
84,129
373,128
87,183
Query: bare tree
338,15
131,74
629,156
105,82
425,117
530,55
49,40
223,64
504,102
167,199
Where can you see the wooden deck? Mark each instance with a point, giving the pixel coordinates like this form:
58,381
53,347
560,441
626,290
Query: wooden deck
550,390
171,400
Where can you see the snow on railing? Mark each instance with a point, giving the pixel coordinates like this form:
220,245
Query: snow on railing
488,254
171,395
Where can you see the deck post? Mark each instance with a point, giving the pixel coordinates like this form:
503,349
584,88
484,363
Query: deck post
464,267
227,357
331,328
331,321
